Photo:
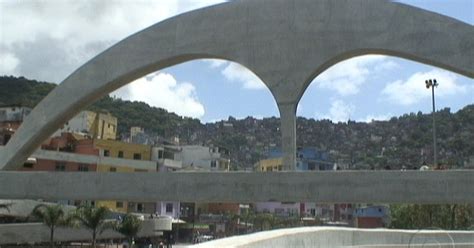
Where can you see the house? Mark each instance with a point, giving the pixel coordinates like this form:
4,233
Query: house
372,216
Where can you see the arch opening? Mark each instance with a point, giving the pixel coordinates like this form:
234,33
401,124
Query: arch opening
379,109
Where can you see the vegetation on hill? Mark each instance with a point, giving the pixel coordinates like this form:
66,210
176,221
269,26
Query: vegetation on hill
401,141
25,92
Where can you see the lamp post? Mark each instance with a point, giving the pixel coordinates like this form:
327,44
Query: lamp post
431,83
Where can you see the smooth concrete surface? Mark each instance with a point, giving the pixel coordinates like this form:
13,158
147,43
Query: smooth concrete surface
285,43
37,232
240,187
324,237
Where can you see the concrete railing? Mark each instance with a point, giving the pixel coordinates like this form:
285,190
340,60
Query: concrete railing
443,187
347,237
31,233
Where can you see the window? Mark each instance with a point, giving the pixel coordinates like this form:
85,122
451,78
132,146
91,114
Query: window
106,153
113,169
120,154
119,204
137,156
60,166
213,164
139,207
83,167
169,207
28,165
160,154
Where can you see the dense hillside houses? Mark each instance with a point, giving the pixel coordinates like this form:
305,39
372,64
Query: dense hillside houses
403,141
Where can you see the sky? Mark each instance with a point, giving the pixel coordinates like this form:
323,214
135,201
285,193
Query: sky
47,40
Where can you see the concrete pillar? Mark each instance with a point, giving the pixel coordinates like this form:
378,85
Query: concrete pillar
288,134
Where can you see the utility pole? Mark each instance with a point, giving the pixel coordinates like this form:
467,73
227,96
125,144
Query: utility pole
432,83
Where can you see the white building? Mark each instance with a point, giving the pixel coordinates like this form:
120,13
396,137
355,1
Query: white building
96,125
13,113
204,158
280,209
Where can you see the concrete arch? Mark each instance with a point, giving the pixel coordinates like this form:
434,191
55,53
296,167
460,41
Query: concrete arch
281,41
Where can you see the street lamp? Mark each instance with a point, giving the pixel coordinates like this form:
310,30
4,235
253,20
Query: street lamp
432,83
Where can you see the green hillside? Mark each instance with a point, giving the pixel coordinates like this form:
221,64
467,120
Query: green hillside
400,141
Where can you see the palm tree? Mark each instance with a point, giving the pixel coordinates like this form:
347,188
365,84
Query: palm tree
94,219
52,216
129,227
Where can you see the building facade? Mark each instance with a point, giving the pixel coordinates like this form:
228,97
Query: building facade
95,124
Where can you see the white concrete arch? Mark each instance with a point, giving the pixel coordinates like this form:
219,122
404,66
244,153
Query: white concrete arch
281,41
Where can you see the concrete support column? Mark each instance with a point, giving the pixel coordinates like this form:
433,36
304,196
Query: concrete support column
288,134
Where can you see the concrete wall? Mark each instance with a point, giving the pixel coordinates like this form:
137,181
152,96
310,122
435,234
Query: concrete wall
323,237
331,187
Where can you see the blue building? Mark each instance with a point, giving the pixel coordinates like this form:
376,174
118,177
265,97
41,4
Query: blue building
372,216
307,159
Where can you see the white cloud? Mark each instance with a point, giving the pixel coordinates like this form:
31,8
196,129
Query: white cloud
216,63
68,33
237,73
339,111
8,63
413,90
162,90
299,109
348,76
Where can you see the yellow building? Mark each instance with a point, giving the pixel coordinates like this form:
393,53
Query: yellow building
103,125
118,149
272,164
96,125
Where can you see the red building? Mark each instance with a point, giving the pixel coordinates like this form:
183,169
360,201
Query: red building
67,142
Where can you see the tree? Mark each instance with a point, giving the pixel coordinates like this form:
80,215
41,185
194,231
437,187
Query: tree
94,219
52,216
415,216
129,227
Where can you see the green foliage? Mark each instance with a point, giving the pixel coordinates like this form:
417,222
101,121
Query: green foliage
52,216
359,145
94,219
21,91
129,227
25,92
415,216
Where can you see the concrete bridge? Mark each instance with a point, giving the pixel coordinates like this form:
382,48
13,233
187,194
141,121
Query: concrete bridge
286,43
442,187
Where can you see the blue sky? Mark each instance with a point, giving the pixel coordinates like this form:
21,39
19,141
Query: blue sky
363,88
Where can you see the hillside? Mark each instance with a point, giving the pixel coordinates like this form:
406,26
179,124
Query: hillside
21,91
401,141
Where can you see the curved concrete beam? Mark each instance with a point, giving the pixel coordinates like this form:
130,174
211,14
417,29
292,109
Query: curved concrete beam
285,43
